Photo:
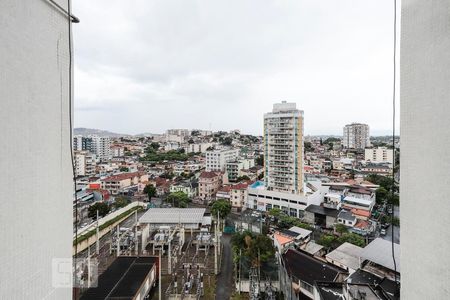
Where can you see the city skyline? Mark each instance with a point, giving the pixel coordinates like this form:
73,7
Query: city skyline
184,65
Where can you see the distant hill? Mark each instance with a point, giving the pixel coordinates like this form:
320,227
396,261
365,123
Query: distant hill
91,131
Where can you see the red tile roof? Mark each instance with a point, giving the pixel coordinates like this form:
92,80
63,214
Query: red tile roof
361,212
123,176
240,186
211,174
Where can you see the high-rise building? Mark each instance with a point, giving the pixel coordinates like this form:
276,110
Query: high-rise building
283,148
356,136
101,147
82,143
84,163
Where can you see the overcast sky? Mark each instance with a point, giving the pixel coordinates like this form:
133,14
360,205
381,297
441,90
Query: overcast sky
146,66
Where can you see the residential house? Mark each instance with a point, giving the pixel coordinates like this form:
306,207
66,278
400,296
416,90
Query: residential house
209,184
346,256
120,182
238,196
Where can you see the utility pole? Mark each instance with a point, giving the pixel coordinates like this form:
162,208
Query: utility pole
89,266
215,250
240,266
159,274
136,250
118,241
97,245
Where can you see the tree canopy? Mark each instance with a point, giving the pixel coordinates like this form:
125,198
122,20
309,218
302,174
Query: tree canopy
178,199
257,247
120,202
223,207
150,190
102,207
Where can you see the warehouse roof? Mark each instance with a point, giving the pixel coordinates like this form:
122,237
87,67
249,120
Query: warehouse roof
173,216
122,280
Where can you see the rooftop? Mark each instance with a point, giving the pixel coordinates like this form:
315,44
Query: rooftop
346,215
379,251
322,210
312,248
330,290
173,216
122,280
346,254
123,176
308,269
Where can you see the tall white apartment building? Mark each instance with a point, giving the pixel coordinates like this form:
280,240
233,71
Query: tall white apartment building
84,163
379,155
101,147
217,159
77,143
356,136
283,148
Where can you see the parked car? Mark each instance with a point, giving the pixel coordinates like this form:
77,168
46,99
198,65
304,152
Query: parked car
385,225
383,232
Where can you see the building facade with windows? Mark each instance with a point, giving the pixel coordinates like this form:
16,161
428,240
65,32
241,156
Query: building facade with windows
217,159
209,184
84,163
356,136
101,147
283,148
379,155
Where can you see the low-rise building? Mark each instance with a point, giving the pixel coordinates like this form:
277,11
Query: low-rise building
234,168
346,256
187,187
120,182
209,184
292,204
238,196
379,155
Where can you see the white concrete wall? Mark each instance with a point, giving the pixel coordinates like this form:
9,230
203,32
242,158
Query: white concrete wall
425,140
36,175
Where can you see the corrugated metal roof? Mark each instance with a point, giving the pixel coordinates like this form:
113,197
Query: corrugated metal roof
173,216
379,251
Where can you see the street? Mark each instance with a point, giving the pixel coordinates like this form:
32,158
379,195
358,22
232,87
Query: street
225,278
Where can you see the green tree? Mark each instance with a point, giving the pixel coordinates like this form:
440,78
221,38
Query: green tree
102,207
154,145
124,169
257,247
178,199
327,240
242,178
227,141
223,207
308,147
381,195
120,202
340,228
352,238
150,190
275,212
